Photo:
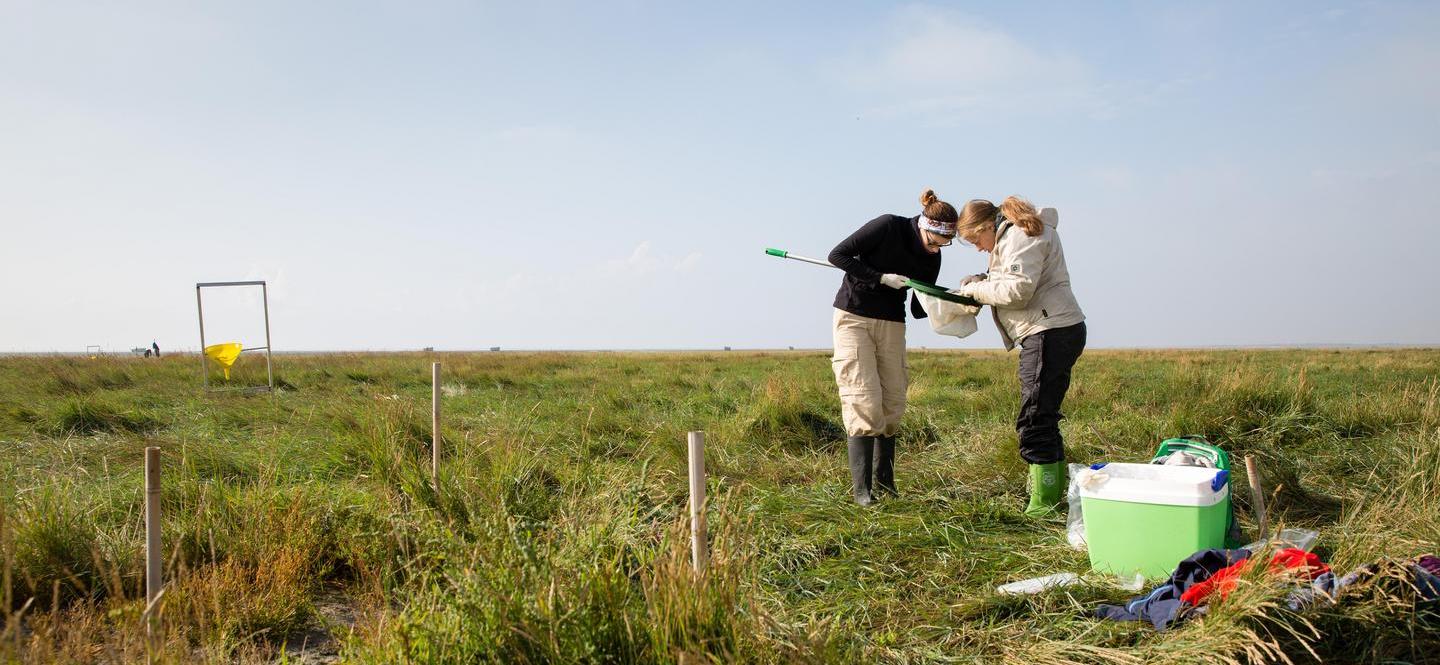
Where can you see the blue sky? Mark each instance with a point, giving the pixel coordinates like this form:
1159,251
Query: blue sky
606,175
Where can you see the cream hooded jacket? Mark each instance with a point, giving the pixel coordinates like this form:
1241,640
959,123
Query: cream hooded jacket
1028,285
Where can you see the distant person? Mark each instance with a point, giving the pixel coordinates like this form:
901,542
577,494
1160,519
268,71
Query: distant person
156,347
1028,289
869,332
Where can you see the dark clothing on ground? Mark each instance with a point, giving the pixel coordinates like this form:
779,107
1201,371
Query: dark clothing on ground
886,244
1306,564
1046,359
1166,605
1427,582
1162,606
1413,577
1327,586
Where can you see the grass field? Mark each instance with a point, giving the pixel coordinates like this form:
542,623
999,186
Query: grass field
302,526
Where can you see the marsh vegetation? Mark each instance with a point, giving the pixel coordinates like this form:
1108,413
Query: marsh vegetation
302,526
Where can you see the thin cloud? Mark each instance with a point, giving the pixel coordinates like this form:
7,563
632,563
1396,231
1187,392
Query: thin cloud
644,260
689,262
641,262
969,66
949,67
941,49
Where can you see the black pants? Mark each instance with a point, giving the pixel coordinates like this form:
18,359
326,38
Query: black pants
1045,361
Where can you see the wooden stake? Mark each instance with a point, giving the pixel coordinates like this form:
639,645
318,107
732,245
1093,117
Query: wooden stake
699,549
154,556
5,565
435,427
1257,494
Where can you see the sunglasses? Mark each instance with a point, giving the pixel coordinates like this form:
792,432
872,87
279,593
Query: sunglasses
930,237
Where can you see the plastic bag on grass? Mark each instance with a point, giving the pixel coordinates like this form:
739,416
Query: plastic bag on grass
1080,476
949,318
1300,539
1182,458
1037,584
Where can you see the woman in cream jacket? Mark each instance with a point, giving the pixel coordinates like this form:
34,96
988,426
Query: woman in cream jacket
1028,289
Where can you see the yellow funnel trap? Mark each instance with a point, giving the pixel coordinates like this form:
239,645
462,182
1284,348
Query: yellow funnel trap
224,354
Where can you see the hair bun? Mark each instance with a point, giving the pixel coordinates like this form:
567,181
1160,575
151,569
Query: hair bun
928,196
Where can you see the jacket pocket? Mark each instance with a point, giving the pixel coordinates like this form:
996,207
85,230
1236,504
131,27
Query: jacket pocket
1019,323
1058,302
1029,316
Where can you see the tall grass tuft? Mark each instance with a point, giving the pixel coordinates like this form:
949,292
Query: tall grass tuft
52,550
780,413
84,416
519,598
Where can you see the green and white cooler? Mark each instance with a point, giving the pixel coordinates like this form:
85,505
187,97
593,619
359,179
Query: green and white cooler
1146,518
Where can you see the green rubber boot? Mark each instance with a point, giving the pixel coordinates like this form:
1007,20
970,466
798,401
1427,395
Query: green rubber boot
1046,482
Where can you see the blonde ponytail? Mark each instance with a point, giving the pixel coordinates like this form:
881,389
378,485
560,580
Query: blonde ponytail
1023,214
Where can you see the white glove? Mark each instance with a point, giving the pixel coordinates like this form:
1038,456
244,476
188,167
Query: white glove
972,278
893,280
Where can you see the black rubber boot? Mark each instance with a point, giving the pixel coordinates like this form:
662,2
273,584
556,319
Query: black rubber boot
885,465
860,449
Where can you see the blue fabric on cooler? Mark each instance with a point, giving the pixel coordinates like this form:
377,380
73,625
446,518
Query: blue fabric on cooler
1162,606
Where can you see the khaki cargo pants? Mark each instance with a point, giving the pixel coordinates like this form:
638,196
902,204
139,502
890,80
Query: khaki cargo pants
871,372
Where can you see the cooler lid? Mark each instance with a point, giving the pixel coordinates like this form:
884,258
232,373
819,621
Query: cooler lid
1153,483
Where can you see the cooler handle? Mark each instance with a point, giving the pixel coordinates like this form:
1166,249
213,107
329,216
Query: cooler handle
1210,452
1221,477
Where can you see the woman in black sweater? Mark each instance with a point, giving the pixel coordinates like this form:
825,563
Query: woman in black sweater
869,332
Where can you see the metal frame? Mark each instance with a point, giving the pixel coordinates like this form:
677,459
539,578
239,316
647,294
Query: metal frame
200,313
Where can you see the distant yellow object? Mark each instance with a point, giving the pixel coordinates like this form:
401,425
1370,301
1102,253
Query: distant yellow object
224,354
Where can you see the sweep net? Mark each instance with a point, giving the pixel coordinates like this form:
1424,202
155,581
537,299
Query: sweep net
949,318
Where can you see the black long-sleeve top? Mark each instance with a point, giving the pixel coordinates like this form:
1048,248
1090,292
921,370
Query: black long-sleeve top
886,244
